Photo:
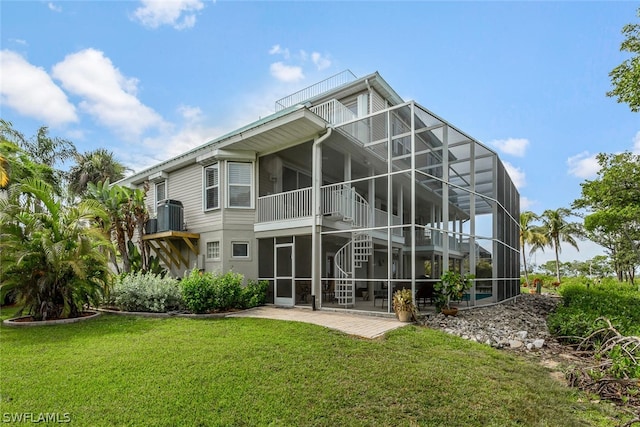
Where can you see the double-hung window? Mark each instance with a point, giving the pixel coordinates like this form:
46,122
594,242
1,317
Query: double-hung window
160,193
211,187
240,184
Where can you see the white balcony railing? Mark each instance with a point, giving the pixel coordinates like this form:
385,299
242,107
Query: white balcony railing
333,112
381,221
337,199
284,206
344,201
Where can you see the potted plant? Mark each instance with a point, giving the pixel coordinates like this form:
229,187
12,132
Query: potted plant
451,287
403,305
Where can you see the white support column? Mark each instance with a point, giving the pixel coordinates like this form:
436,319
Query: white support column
371,190
472,214
389,210
494,232
400,203
413,201
347,167
445,198
316,208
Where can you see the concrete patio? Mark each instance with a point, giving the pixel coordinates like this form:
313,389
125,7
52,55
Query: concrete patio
353,324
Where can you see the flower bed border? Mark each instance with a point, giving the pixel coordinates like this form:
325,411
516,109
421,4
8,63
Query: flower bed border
170,314
14,321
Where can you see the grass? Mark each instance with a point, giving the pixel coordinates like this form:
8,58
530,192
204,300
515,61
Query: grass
118,370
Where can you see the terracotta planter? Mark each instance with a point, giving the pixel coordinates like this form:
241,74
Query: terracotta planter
532,291
405,316
453,311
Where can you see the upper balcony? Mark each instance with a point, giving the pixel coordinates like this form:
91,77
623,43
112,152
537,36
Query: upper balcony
333,112
316,89
337,201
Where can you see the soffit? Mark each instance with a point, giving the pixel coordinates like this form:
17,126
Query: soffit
298,126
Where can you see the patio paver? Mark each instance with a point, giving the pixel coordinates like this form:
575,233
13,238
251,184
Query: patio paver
353,324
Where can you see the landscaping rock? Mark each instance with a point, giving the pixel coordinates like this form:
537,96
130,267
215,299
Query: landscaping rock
515,344
538,343
518,325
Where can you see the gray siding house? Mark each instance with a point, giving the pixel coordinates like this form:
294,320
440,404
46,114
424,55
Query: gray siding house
344,194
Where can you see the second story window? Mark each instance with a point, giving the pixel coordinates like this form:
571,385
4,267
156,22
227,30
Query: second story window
160,192
240,184
211,187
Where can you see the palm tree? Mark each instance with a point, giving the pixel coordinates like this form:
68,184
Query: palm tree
557,229
49,152
53,257
94,166
4,171
126,213
532,235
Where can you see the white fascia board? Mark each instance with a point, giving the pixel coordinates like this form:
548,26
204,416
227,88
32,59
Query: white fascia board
220,154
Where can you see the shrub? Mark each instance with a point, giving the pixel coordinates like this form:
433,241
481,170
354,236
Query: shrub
197,291
581,306
204,292
254,294
227,291
146,292
583,313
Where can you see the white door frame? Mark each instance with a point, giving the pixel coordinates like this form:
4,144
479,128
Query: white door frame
284,280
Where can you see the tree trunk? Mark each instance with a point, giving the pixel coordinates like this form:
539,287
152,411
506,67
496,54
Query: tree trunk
555,244
524,262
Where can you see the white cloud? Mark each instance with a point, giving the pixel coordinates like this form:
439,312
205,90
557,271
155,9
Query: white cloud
588,250
517,175
106,94
636,144
583,165
514,146
30,91
179,14
286,73
19,41
170,144
526,203
54,8
277,50
190,114
321,62
293,73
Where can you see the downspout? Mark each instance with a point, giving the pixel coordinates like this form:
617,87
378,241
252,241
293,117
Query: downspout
316,177
370,106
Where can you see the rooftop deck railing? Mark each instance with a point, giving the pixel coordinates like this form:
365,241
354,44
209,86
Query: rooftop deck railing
316,89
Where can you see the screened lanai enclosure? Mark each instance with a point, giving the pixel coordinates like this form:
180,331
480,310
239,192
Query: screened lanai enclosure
383,201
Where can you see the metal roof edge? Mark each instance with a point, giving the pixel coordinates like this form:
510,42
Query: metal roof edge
191,155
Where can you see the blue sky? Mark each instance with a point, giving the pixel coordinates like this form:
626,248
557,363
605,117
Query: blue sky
149,80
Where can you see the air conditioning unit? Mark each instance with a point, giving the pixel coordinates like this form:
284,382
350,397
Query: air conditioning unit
170,215
151,226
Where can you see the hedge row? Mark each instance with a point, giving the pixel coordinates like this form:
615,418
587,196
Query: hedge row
198,293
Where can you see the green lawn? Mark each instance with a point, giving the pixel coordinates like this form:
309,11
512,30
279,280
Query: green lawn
118,370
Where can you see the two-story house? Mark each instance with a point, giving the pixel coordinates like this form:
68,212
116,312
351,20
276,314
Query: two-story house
344,194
